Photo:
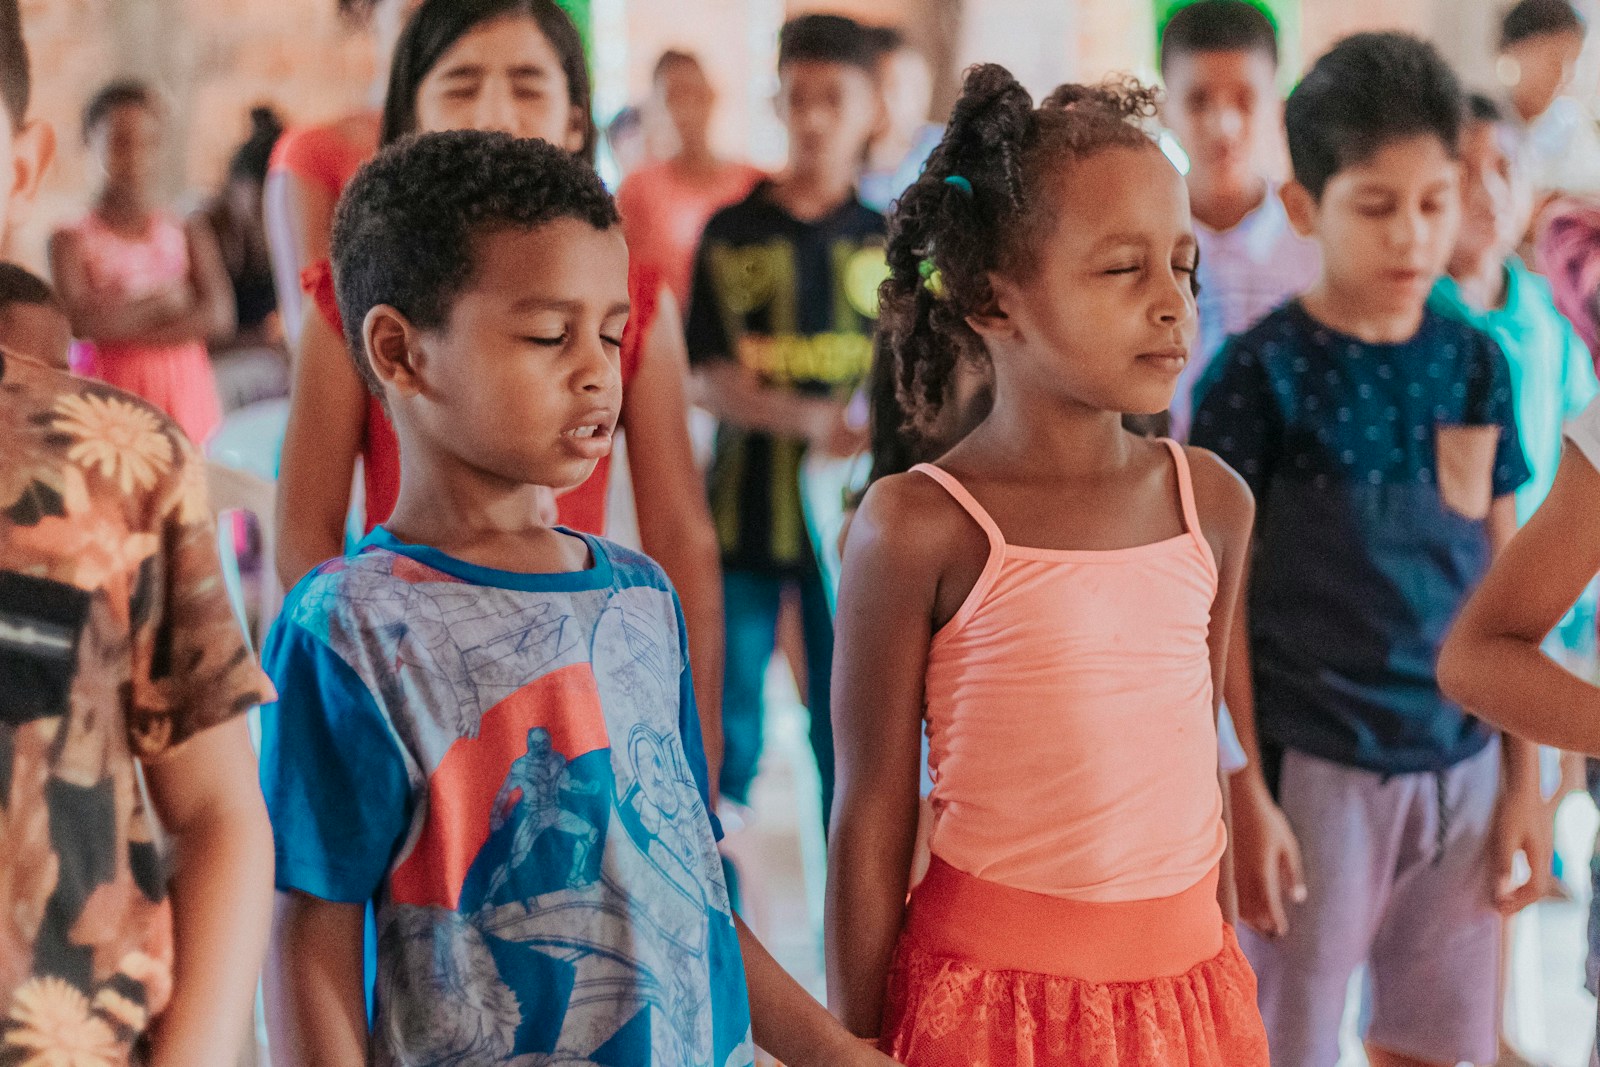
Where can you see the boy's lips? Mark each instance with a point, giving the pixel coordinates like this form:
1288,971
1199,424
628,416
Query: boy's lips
590,435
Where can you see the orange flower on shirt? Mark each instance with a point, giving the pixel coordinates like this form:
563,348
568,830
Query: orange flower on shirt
52,1023
121,440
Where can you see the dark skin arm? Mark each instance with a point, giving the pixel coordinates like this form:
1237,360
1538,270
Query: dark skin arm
313,984
199,309
674,517
327,416
1227,515
1493,663
911,557
787,1021
221,892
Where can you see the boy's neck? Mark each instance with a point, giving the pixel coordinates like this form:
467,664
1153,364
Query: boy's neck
810,196
890,150
123,206
1222,208
696,162
1482,283
1350,314
476,517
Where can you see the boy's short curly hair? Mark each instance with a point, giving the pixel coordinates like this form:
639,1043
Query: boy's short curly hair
1539,18
1369,90
980,207
404,231
1218,26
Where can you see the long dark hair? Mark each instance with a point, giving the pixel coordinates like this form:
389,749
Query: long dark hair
439,24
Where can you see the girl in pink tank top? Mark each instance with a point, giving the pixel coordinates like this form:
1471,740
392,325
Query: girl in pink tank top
1051,604
144,291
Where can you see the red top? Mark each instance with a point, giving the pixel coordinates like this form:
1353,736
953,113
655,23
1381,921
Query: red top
330,154
583,508
663,216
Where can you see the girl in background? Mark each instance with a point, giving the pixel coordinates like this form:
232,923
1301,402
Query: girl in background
516,66
144,291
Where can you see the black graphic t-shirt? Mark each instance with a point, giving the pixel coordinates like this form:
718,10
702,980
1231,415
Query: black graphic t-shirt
795,302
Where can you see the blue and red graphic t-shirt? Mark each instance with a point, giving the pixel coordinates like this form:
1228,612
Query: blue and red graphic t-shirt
509,767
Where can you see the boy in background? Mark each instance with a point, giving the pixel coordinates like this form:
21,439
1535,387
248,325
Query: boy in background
1219,60
780,337
1380,440
119,650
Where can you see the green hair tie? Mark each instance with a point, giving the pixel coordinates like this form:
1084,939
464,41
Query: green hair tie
932,280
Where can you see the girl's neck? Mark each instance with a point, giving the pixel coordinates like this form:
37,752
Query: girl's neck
1034,434
124,207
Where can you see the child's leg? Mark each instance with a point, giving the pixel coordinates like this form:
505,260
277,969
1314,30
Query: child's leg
1348,822
817,617
1436,957
750,611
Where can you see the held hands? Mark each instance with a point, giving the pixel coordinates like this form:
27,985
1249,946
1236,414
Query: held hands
1522,824
1267,865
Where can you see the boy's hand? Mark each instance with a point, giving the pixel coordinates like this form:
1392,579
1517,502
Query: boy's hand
1266,860
1522,823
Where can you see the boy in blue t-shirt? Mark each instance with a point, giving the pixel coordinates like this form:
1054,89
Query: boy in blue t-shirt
486,726
1380,440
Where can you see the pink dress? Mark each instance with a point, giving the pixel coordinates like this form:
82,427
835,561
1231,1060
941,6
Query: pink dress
175,378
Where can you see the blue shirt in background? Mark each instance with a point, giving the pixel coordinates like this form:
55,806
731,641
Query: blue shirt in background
509,767
1373,468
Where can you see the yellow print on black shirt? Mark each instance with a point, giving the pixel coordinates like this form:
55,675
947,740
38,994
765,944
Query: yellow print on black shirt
759,301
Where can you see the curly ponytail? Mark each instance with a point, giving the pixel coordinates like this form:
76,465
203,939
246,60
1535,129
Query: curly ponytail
976,211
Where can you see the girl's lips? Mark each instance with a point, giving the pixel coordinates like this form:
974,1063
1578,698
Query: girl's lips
1171,360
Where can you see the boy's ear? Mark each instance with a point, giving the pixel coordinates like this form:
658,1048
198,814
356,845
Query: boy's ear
575,125
1300,206
993,324
391,349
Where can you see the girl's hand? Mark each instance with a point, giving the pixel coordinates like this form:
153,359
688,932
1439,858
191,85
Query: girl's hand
1266,860
1522,824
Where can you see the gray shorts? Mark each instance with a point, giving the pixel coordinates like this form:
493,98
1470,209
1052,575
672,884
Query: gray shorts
1398,878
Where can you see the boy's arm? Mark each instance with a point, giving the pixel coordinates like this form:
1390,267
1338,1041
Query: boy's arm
314,986
789,1023
735,395
203,793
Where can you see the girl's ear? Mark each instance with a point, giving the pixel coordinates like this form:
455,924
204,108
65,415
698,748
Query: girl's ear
393,349
575,128
993,324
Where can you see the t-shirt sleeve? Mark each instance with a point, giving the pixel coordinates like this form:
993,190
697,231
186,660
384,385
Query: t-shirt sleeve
1578,376
689,726
1490,403
705,331
193,667
336,786
1584,432
310,153
1237,416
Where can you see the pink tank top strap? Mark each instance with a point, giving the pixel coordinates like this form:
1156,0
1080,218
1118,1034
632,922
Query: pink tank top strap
1191,514
991,529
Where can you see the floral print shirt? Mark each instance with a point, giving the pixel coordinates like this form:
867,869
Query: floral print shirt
117,643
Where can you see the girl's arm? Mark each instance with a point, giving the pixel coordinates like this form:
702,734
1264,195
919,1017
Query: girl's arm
1492,663
205,795
314,988
674,518
214,310
888,592
299,219
327,415
1227,514
787,1022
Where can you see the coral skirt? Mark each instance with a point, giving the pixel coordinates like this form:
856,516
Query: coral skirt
178,379
999,977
